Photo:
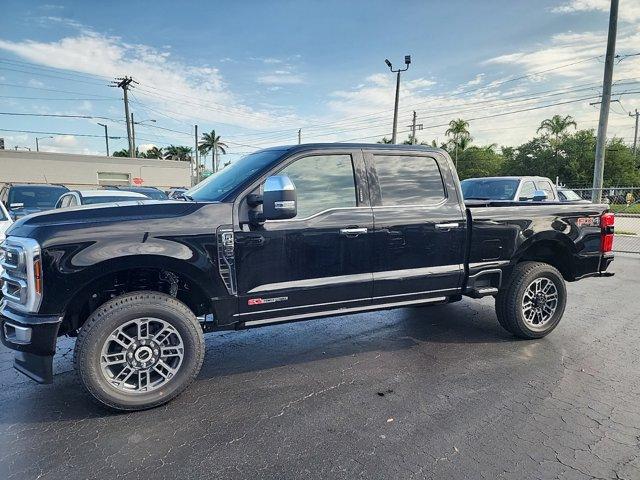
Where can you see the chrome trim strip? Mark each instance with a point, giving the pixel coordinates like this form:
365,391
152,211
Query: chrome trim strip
491,263
313,282
359,277
343,311
447,225
322,212
417,272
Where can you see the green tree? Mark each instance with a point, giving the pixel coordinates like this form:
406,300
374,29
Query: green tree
154,152
178,152
384,140
459,130
125,153
479,162
557,125
211,143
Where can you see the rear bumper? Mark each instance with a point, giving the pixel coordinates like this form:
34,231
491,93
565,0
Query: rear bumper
593,265
33,338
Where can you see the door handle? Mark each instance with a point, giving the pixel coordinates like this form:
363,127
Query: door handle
251,240
444,226
353,232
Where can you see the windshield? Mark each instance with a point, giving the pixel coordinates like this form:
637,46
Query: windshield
94,200
222,182
36,196
489,188
570,195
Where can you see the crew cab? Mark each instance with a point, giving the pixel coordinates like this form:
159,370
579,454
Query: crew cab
283,234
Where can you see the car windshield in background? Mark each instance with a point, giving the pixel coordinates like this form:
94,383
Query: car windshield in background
570,195
38,197
489,188
153,193
220,183
95,200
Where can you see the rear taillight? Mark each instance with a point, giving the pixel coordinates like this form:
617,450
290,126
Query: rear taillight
607,221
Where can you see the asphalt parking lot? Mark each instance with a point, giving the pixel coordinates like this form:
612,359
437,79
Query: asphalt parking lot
438,392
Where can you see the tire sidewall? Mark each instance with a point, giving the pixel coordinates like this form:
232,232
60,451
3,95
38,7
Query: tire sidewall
553,275
90,352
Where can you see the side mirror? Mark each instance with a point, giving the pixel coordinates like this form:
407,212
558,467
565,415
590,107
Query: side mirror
279,199
540,196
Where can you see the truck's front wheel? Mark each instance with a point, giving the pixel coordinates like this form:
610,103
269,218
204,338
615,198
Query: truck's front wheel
139,351
532,302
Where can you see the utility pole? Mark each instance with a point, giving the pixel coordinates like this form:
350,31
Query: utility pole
124,83
106,136
635,135
133,136
407,61
196,175
414,126
299,136
598,168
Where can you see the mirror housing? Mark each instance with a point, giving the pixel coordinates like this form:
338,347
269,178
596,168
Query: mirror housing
279,198
540,196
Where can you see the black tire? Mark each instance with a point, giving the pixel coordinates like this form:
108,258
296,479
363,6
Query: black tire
118,312
509,300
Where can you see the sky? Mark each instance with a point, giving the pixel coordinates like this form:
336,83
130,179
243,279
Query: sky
256,72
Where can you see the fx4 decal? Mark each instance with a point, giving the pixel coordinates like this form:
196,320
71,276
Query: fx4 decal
261,301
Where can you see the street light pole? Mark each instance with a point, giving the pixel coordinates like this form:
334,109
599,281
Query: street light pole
133,132
407,62
37,145
106,136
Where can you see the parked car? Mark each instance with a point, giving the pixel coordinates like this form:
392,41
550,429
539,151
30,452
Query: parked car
151,192
23,199
523,189
5,221
568,195
176,193
73,198
283,234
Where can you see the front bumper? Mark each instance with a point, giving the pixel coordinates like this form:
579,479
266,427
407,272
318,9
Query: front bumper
33,338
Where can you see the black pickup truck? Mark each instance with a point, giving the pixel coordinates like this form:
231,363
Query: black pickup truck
283,234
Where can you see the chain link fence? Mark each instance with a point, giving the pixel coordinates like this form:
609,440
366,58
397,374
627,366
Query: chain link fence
625,203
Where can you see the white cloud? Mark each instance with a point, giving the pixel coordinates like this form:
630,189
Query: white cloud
65,140
280,77
197,90
35,83
628,11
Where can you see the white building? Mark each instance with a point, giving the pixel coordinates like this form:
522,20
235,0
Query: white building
82,171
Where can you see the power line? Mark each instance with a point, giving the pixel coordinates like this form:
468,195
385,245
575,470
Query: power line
63,134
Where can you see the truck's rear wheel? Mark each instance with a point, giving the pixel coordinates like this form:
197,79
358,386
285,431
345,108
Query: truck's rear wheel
139,351
532,302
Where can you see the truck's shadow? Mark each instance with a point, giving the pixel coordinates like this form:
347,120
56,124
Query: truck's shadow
231,354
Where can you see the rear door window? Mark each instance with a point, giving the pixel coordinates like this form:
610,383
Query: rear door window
409,180
548,189
527,190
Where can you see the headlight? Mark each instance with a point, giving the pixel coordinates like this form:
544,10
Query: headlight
22,276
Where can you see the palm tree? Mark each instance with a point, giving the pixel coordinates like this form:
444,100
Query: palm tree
125,153
178,152
557,127
154,152
210,142
459,129
384,140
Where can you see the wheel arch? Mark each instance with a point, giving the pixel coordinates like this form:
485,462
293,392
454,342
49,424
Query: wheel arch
553,248
110,278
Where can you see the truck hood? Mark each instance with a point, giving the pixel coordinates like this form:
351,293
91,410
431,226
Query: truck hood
96,221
